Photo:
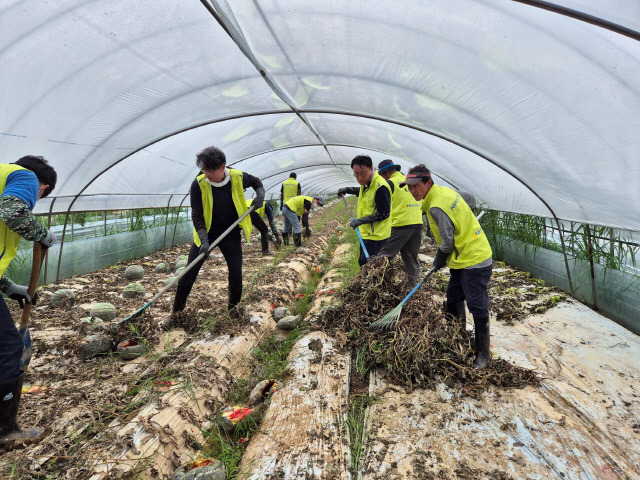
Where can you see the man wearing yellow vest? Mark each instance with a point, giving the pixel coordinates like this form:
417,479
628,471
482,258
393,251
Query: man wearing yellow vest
463,246
296,206
374,206
406,222
21,185
257,221
290,188
217,201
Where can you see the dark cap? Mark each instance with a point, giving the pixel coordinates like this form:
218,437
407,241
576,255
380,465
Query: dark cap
320,201
414,178
386,165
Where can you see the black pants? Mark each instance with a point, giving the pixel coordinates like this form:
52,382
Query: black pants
231,249
258,222
470,284
373,248
11,345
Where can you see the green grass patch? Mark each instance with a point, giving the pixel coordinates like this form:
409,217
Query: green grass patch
355,423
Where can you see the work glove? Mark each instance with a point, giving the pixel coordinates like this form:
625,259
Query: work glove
440,260
342,192
356,222
49,239
20,294
204,242
259,200
307,232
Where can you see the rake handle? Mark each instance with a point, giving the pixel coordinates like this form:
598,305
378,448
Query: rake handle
364,249
188,267
426,277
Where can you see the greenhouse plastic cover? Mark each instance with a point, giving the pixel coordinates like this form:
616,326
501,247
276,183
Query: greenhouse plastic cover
532,106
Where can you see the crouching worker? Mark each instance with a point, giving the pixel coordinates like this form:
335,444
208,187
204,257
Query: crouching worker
257,219
21,185
217,201
293,208
463,246
374,206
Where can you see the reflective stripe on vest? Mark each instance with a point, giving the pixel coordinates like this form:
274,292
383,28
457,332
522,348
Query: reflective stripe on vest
9,239
237,194
471,244
405,210
296,204
367,206
289,189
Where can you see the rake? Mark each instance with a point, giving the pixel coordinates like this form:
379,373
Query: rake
364,249
391,318
186,269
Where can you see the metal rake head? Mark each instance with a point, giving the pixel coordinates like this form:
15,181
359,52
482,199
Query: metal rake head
388,321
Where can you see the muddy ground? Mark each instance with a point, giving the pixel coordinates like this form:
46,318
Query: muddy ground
87,406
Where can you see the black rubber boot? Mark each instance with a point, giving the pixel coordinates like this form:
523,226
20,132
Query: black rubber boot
297,239
265,245
456,312
10,432
483,341
285,238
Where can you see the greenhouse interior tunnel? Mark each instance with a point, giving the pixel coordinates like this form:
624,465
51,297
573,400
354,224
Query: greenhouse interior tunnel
531,106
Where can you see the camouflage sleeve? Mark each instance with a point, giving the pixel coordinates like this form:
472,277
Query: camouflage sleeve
16,214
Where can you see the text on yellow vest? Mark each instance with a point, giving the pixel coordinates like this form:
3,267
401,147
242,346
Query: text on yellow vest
405,210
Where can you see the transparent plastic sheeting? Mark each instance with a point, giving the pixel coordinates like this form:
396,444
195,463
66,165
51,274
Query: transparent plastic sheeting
517,104
617,292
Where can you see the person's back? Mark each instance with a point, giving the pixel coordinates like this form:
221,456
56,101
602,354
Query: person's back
290,188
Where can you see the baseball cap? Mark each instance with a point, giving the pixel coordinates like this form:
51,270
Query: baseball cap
386,165
320,201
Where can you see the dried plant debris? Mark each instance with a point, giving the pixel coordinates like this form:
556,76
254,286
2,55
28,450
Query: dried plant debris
425,347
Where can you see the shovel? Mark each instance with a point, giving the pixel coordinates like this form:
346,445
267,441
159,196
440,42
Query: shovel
364,249
186,269
38,258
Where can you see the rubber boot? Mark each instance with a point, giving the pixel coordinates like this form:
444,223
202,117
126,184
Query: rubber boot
297,239
235,311
10,393
170,322
456,312
285,238
483,341
265,246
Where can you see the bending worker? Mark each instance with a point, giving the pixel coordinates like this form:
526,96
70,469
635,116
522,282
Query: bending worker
374,206
257,217
224,188
21,185
292,209
463,246
406,222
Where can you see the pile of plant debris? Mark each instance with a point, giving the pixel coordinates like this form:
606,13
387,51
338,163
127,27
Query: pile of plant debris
425,348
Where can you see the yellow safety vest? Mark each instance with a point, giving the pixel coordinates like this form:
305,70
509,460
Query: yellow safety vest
289,189
367,206
261,210
405,210
296,204
237,194
471,244
9,239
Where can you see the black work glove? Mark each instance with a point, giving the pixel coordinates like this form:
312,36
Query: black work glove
307,232
356,222
49,239
440,260
342,192
204,242
20,294
258,202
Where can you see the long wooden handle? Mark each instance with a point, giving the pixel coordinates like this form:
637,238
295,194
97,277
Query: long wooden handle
38,258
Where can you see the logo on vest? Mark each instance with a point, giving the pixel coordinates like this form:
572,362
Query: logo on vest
8,397
455,203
